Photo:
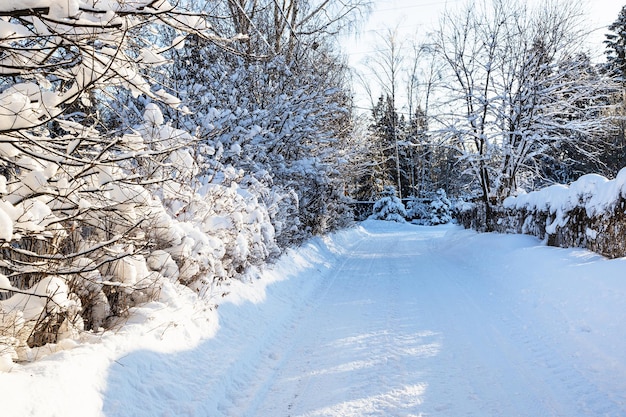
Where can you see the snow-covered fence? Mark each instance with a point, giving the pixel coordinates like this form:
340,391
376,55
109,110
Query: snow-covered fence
431,210
589,213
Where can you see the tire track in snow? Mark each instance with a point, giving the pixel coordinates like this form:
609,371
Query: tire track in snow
242,399
357,356
309,382
425,334
302,383
493,378
525,364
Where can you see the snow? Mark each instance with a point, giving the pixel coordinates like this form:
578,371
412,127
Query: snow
389,207
151,57
5,284
595,193
6,224
153,115
383,319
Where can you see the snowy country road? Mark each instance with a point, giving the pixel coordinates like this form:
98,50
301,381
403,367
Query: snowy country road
405,321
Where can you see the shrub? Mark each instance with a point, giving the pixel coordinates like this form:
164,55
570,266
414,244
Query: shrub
389,207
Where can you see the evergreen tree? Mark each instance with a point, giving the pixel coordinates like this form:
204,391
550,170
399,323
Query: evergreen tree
616,46
615,42
440,209
418,165
389,207
385,134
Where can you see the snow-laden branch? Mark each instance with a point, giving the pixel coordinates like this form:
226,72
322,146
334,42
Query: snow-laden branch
521,91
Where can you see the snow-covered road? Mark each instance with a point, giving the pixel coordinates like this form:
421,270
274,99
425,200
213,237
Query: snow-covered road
400,320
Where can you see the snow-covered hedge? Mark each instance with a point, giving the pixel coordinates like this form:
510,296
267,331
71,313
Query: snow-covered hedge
83,243
80,247
106,202
589,213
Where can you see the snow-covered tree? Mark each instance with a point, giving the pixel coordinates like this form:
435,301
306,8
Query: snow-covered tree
291,28
77,217
140,148
384,136
440,209
435,209
517,90
389,207
616,46
416,210
386,68
282,122
615,157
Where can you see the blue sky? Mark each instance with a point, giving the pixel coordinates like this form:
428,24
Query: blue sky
415,18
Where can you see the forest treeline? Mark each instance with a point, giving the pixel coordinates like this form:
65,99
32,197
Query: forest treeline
502,99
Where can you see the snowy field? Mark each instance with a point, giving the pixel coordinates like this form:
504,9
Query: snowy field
382,320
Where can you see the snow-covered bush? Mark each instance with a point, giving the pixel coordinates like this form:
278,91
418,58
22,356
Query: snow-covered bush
279,122
110,186
197,232
431,211
440,209
88,223
417,210
45,313
226,230
590,213
77,210
389,207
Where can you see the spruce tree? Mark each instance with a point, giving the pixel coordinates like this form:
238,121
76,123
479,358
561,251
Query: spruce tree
616,46
389,207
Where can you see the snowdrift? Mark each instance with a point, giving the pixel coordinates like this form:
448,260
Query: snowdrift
71,383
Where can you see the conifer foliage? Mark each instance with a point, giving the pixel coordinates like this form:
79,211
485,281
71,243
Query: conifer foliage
616,46
389,207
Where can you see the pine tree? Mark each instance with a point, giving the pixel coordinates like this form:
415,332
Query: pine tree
616,46
385,130
440,209
389,207
616,66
